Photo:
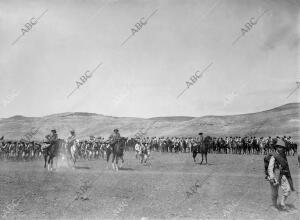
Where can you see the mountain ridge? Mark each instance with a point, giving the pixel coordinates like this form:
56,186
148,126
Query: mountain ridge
281,120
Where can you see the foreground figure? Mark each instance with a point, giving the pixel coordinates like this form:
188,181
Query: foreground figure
72,147
279,175
201,146
144,153
117,146
50,151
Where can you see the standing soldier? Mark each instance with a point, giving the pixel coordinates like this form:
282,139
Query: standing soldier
279,175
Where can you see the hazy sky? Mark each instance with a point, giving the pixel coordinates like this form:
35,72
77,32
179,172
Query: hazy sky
143,77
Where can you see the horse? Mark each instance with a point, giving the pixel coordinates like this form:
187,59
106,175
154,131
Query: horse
108,151
202,148
117,150
50,151
73,151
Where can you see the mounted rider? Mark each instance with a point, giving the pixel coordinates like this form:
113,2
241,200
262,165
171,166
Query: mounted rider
114,137
52,140
200,141
71,141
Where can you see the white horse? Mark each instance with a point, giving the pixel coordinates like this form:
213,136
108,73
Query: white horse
74,151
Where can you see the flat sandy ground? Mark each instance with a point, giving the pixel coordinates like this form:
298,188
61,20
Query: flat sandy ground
229,187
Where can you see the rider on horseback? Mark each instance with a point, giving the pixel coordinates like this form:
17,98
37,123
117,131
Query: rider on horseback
114,137
71,141
200,141
52,138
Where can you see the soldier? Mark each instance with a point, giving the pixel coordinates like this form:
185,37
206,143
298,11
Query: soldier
137,148
71,141
114,137
279,175
200,140
92,139
52,138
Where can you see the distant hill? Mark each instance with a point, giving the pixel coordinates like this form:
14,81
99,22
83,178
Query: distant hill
283,120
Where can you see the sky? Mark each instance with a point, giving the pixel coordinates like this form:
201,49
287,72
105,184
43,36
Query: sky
144,76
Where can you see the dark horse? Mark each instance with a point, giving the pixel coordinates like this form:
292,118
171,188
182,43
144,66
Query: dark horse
202,148
50,151
117,150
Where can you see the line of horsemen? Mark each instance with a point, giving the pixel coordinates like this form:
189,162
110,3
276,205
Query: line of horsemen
94,148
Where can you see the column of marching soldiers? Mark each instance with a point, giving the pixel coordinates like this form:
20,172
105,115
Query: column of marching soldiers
95,148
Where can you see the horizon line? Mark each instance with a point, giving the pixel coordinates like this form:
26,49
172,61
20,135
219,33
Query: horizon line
151,117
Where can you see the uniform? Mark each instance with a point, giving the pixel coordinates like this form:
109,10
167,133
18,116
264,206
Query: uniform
52,139
279,175
114,137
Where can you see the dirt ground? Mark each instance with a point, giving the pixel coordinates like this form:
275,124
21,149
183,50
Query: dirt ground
172,187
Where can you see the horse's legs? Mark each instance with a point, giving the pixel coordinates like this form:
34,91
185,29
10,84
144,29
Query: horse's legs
116,164
142,157
51,161
48,163
45,158
107,158
201,158
205,158
113,161
56,160
74,159
122,159
194,156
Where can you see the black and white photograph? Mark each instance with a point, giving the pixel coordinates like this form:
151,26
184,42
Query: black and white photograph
149,109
